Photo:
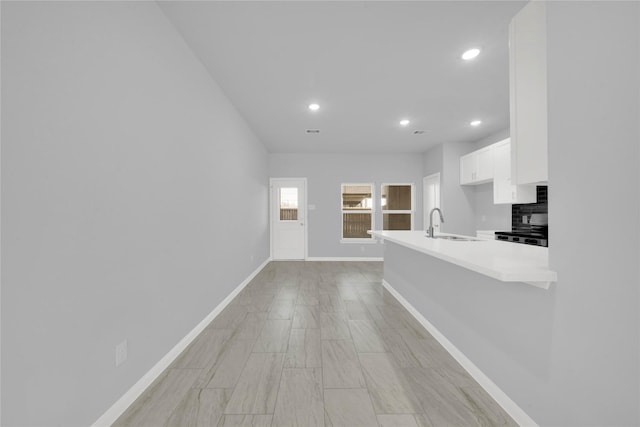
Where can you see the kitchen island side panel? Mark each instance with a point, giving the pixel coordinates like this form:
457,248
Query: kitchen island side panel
503,328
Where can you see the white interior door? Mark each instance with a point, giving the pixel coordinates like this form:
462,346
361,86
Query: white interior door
288,218
431,188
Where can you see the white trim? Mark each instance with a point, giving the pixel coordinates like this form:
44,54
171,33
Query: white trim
518,415
121,405
346,258
358,240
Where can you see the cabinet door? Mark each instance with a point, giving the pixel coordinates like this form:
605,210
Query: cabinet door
502,174
503,189
485,164
528,94
468,166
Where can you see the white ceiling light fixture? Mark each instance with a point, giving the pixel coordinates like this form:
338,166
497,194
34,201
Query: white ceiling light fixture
470,54
314,107
476,123
404,122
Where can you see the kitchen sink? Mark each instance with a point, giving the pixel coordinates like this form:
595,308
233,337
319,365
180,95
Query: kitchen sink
457,238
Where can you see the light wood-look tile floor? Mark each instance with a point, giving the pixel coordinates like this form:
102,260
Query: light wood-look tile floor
315,344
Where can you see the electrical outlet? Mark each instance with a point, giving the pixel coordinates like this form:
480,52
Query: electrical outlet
121,353
251,258
361,248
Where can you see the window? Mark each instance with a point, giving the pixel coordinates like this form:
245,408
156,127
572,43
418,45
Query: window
397,202
289,204
357,211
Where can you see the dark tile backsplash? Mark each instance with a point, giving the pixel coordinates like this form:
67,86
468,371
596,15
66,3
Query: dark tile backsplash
540,207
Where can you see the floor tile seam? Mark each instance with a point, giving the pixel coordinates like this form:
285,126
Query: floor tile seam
425,410
184,369
368,395
473,407
282,379
233,389
345,388
183,397
403,382
322,369
252,415
215,365
279,384
235,384
471,404
222,345
428,352
401,413
270,352
368,388
379,336
306,368
322,364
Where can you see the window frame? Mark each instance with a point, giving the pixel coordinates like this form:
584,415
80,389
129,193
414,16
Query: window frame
412,212
372,211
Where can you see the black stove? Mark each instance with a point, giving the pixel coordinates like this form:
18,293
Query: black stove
535,231
535,239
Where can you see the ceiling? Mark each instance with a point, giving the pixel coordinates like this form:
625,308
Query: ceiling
368,64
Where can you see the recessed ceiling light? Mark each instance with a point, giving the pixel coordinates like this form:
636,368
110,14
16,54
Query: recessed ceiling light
404,122
314,107
470,54
476,123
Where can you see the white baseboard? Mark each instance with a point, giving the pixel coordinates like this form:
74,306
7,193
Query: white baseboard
518,415
118,408
320,258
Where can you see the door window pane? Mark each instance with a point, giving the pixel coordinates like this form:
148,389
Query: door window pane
289,204
356,197
396,221
355,225
396,197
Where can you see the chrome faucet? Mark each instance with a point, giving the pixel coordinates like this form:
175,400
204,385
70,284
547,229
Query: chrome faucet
430,229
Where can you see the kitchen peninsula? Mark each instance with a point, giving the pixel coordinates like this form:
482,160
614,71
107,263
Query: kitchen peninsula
501,261
475,298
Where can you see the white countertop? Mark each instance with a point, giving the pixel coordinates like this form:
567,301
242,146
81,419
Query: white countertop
504,261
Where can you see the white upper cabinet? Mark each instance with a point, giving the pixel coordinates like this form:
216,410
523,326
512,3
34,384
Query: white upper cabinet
485,165
528,94
503,190
477,167
468,168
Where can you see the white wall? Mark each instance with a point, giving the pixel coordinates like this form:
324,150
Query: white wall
325,173
133,198
486,214
594,184
568,356
432,160
456,200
